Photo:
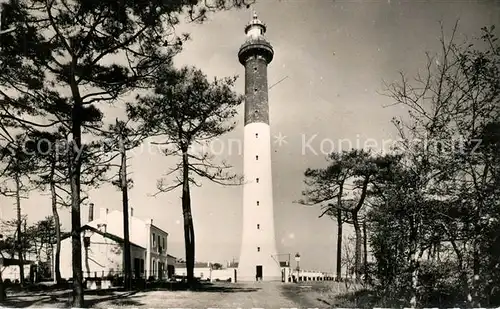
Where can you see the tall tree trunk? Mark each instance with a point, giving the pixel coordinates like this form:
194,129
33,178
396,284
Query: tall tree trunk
75,174
365,251
415,256
476,301
126,238
463,271
3,295
191,244
339,245
188,220
357,251
19,232
57,223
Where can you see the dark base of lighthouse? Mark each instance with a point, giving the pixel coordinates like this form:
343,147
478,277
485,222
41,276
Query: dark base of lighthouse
253,279
259,273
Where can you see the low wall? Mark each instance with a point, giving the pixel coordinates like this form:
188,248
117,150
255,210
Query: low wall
307,275
200,272
207,273
223,274
229,273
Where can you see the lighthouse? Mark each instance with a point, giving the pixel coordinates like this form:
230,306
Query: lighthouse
258,257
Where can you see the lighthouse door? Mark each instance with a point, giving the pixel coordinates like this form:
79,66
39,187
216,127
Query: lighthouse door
258,270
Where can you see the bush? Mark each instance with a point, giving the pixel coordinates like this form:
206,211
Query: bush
439,284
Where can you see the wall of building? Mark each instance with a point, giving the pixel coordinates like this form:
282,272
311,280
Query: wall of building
103,257
138,231
158,240
229,273
205,273
141,233
223,274
12,272
200,272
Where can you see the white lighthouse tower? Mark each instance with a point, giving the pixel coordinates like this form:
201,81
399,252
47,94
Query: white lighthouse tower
258,259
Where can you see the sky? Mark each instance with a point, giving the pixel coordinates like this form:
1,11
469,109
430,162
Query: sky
335,57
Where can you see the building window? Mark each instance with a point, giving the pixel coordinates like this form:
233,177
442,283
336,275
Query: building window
254,89
258,226
256,135
154,240
257,180
258,249
258,203
163,242
256,157
159,243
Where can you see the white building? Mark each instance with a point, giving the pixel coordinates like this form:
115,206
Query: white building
102,247
10,270
205,272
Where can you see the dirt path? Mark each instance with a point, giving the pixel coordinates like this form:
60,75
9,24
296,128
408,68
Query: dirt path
266,295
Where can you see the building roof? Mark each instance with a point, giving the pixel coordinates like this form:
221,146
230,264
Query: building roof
104,234
9,262
155,226
130,218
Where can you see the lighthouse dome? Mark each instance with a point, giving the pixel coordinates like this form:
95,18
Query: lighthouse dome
255,27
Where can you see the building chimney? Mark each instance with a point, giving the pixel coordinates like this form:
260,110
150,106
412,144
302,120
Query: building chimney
102,227
131,211
151,221
91,212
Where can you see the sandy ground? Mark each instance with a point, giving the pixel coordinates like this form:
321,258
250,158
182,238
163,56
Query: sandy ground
266,295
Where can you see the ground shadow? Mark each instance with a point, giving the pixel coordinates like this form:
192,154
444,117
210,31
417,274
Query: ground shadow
126,299
116,296
52,299
201,287
32,289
